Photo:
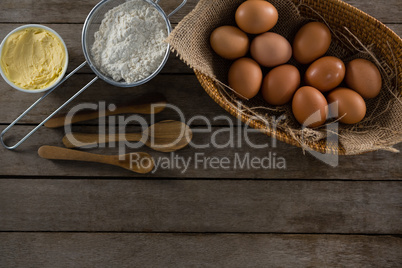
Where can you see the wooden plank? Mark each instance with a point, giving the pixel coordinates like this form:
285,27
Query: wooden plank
59,11
71,34
200,206
278,160
212,250
178,89
387,11
397,28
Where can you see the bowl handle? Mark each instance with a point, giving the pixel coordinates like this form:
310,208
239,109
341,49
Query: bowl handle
177,8
50,116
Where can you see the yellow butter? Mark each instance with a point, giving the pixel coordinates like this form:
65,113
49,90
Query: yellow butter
33,58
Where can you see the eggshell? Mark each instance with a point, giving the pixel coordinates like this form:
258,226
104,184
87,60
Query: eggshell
325,73
364,77
245,77
229,42
256,17
280,84
270,49
351,108
311,42
310,107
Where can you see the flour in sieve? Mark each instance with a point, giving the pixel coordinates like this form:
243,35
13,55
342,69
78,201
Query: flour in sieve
130,43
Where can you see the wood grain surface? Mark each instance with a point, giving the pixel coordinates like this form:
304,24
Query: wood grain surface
201,206
196,250
371,166
72,214
43,11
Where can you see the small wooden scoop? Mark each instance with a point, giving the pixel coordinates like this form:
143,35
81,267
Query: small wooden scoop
138,162
148,104
165,136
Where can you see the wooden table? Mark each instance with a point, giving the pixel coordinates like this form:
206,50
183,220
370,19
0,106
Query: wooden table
70,214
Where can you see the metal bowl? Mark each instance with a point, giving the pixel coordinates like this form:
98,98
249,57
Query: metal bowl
92,24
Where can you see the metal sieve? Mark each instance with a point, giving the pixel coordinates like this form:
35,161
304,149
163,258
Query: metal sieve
91,25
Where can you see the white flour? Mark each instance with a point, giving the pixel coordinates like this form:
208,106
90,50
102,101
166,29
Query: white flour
130,42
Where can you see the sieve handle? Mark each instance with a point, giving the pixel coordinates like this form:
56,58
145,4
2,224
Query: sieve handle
177,8
50,116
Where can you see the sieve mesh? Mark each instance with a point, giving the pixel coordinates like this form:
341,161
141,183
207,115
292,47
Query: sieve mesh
92,25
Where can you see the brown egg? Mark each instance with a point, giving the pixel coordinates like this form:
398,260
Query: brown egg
310,107
312,41
325,74
245,77
280,84
270,49
351,106
256,17
229,42
363,77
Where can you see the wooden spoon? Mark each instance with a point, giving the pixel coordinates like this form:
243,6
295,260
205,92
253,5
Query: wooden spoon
138,162
165,136
148,104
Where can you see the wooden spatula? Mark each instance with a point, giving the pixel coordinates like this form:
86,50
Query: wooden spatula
165,136
148,104
137,162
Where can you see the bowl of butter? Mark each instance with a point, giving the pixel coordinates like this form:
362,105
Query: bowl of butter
33,58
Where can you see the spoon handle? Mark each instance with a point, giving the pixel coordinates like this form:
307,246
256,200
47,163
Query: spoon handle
133,162
58,153
148,105
74,140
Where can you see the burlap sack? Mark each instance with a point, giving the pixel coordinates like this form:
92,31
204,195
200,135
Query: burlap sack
382,127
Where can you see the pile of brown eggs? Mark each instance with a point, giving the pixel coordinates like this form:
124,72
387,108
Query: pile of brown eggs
282,84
